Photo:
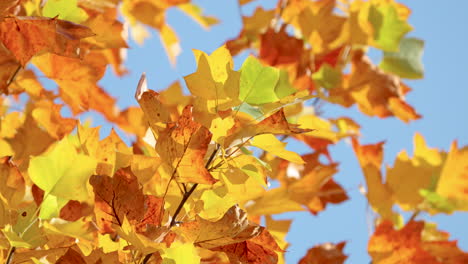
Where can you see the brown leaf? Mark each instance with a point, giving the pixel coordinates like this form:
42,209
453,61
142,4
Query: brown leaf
155,112
327,253
248,252
30,140
154,212
72,211
407,245
279,48
274,124
28,36
234,227
71,257
12,188
183,146
116,197
8,66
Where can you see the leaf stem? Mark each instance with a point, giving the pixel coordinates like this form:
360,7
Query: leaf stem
12,78
11,252
414,215
185,198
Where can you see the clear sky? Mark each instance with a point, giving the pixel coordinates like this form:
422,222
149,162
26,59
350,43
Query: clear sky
440,97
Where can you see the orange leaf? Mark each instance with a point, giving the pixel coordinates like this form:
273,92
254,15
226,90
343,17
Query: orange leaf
453,181
12,188
406,245
183,146
274,124
71,257
248,252
116,198
378,194
234,227
28,36
8,66
327,253
47,115
279,48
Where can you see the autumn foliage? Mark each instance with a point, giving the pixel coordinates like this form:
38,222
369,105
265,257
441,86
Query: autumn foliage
193,186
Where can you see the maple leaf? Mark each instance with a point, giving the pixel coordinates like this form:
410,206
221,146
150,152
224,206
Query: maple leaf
313,190
232,228
13,188
29,140
378,194
375,92
116,198
274,124
183,146
249,35
408,246
47,115
327,253
8,66
154,110
317,22
405,63
424,169
77,80
214,78
65,182
28,36
279,48
452,181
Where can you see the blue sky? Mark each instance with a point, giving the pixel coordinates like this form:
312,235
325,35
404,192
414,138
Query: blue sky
440,97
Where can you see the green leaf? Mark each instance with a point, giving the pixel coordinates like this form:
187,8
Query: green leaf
253,111
64,9
437,202
284,88
407,62
327,77
258,82
51,206
26,233
388,27
62,172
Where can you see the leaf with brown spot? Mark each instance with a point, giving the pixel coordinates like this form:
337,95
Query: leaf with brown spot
234,227
183,147
274,124
72,211
71,257
28,36
12,188
117,197
408,245
327,253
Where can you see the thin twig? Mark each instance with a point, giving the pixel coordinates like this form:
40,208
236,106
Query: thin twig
185,198
414,215
11,252
12,78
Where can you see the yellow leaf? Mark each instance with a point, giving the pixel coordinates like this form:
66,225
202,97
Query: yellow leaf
181,253
408,176
233,227
140,242
272,145
195,13
216,202
219,128
453,182
62,171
